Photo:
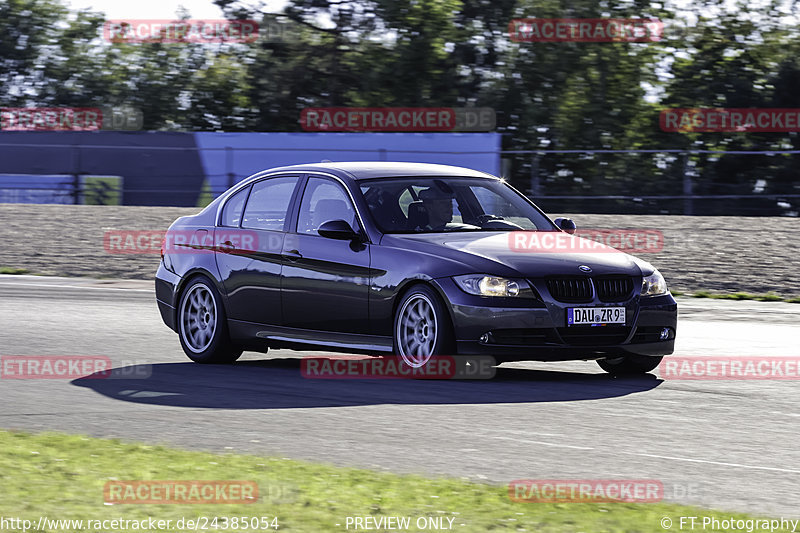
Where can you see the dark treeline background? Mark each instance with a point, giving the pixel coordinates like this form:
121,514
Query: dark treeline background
425,53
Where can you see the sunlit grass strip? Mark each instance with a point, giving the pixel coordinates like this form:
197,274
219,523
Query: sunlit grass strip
768,297
63,476
13,271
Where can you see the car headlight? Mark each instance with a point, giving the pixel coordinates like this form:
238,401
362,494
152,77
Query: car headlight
654,284
483,285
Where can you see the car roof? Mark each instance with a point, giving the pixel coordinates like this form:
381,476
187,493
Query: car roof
363,170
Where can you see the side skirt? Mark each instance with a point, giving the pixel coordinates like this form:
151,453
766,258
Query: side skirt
304,339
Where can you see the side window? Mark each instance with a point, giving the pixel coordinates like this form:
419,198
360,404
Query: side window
268,204
324,200
232,212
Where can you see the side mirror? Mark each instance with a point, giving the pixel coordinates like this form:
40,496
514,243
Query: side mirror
337,229
566,225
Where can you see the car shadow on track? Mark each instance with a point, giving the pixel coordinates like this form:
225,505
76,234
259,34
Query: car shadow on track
279,384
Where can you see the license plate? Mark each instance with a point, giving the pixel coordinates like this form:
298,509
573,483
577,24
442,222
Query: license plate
595,316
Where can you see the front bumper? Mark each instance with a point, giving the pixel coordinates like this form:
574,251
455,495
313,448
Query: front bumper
528,329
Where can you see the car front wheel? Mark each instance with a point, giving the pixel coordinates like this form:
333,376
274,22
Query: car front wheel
421,327
629,365
202,325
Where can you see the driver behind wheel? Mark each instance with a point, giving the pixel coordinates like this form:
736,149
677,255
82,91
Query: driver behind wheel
439,206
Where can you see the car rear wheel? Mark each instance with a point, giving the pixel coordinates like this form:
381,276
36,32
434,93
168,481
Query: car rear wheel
421,327
629,365
203,326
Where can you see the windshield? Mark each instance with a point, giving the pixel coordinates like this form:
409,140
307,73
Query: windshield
448,204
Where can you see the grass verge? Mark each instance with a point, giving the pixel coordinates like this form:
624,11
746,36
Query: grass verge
13,270
63,476
768,297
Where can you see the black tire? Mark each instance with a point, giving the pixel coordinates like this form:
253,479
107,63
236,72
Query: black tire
434,338
630,365
203,325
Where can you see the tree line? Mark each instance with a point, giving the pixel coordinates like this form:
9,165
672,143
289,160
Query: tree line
452,53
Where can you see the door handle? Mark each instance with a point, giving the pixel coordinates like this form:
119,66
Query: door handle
293,255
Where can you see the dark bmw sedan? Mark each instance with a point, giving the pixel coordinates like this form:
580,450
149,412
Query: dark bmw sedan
408,259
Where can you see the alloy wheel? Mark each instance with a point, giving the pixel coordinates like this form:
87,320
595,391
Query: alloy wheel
417,330
198,318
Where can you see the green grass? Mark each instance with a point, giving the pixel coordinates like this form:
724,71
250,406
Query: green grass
12,270
62,476
205,196
768,297
102,190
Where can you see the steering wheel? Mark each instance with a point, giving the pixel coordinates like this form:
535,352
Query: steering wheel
484,218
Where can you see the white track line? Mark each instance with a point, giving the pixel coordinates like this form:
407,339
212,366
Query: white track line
736,465
48,285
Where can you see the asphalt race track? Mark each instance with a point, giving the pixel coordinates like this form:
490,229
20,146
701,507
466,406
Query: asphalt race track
728,445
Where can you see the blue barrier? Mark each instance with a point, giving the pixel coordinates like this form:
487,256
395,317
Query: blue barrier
174,168
36,189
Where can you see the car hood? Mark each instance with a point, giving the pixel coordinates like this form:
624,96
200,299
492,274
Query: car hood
477,252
